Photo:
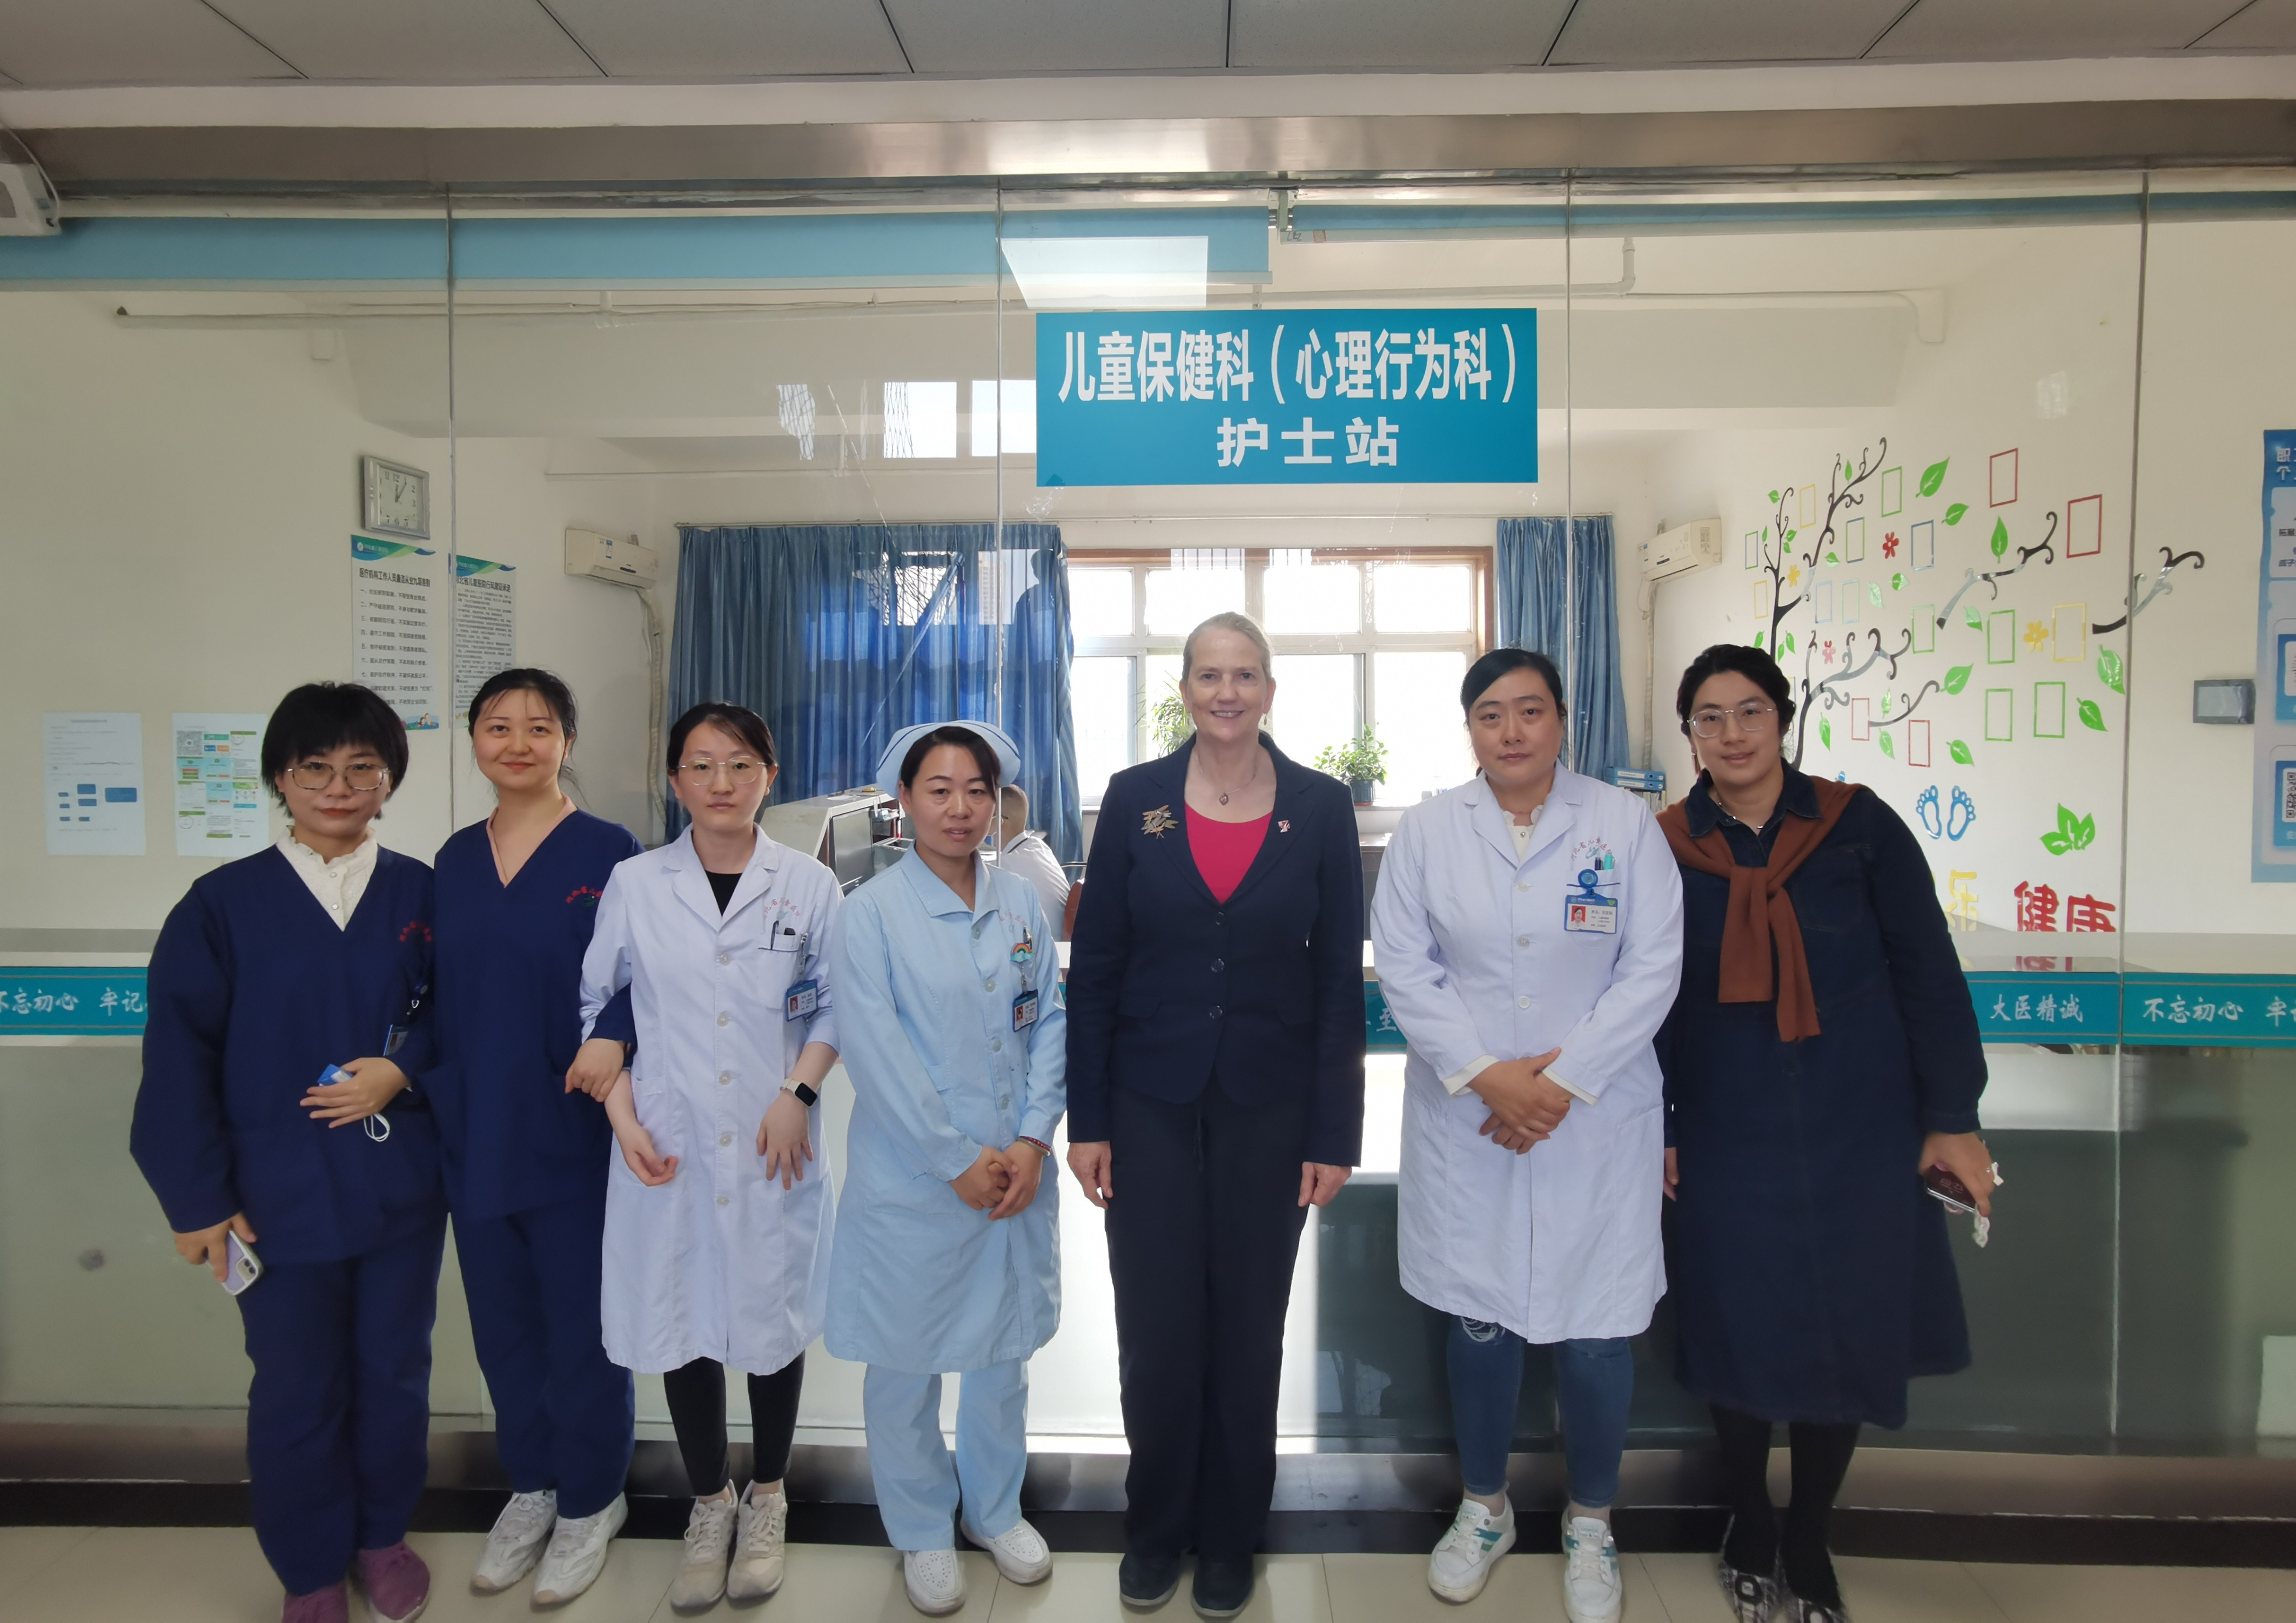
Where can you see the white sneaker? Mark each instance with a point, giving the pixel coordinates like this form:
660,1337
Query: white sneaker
700,1578
758,1546
577,1553
1591,1590
1021,1553
1462,1563
935,1580
516,1542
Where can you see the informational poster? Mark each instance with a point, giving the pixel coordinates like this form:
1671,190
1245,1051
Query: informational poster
394,639
2274,850
1288,397
219,783
486,625
92,771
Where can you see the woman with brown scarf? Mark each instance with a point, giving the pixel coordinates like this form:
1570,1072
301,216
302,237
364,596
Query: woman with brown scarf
1822,1053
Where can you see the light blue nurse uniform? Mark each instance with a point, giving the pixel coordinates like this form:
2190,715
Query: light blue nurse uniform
923,1285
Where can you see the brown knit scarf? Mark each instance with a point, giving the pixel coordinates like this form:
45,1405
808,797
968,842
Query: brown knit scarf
1761,913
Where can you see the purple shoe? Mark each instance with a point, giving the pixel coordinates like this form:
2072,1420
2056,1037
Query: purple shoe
397,1584
331,1604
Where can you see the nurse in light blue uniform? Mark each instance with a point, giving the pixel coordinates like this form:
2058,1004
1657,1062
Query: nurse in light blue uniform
947,1242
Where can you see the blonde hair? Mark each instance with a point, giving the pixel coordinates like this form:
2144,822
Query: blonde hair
1243,624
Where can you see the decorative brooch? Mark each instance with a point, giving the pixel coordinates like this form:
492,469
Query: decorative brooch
1284,827
1158,820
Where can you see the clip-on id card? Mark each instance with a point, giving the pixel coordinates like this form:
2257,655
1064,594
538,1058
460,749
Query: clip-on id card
1024,1010
803,998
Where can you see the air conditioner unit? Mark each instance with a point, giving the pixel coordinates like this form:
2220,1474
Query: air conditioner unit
1685,547
623,562
27,203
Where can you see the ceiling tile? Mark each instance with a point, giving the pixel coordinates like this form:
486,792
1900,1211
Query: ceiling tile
2269,25
1961,30
1384,34
1052,36
119,42
721,39
1645,32
421,42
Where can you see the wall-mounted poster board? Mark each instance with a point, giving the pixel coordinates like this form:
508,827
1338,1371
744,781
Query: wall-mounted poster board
2274,850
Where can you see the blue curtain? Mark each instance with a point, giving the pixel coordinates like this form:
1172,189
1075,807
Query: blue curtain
841,635
1541,584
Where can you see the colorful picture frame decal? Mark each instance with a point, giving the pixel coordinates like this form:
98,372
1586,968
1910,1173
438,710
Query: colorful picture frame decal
2084,526
2001,478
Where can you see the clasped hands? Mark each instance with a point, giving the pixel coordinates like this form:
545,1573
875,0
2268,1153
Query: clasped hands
1525,1106
1003,1181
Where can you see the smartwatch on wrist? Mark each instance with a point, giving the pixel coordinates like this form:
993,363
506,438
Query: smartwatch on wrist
805,1097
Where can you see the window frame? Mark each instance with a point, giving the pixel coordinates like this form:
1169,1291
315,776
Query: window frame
1141,644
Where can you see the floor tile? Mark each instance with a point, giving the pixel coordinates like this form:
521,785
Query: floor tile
637,1575
1684,1586
851,1584
2135,1595
1911,1591
1082,1589
184,1575
1370,1588
25,1552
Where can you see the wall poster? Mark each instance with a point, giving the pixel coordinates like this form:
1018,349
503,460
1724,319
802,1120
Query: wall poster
92,771
394,586
486,625
2274,855
219,811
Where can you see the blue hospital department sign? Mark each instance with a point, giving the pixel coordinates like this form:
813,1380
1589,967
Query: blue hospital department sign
1288,397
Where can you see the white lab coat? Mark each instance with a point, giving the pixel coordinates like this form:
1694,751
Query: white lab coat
1031,858
720,1262
1473,959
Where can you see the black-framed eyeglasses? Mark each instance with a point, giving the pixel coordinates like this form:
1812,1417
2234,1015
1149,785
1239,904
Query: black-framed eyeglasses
362,777
1754,717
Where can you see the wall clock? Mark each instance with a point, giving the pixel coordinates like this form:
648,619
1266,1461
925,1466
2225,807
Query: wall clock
397,499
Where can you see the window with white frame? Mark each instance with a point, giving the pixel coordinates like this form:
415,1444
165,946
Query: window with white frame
1376,641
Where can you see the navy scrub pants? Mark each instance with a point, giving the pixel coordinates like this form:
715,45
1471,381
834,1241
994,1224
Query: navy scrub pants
564,1413
1202,1234
338,1412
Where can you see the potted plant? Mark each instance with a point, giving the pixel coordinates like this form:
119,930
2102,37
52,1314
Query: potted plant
1361,763
1168,722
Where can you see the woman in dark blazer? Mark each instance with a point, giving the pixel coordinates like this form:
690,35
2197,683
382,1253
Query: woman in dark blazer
1823,1053
1216,1045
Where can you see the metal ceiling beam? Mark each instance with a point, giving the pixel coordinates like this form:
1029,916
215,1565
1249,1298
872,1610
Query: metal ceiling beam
116,161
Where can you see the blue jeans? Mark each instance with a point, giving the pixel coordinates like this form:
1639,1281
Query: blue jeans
1594,1386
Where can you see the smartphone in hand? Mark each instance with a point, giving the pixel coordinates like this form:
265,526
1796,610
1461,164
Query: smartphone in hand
239,1267
1950,1192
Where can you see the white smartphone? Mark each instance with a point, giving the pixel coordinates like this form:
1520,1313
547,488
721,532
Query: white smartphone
239,1267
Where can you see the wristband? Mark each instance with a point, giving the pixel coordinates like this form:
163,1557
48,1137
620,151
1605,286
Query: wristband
1043,1148
805,1097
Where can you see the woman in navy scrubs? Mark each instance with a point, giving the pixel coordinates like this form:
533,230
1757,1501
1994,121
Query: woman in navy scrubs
526,1156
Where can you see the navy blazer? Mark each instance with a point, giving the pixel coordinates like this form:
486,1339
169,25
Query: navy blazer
1169,990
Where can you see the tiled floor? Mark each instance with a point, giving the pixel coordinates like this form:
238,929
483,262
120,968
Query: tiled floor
187,1575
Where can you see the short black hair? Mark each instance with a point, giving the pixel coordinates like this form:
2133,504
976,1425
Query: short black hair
1754,664
548,685
319,717
1497,663
742,722
964,739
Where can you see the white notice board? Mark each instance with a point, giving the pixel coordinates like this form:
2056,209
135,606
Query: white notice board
91,780
486,624
393,595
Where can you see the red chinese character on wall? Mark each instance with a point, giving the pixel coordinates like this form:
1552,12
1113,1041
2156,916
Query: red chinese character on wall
2036,907
2088,912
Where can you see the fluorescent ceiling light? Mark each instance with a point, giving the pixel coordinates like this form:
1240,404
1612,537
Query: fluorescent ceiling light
1111,273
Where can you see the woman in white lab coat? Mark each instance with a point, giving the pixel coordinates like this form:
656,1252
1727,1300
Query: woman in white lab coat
718,1234
1528,932
949,1239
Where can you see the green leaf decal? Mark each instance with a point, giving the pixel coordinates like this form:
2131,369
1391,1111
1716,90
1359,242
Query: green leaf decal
1888,748
1758,639
1897,582
1788,641
2000,536
1885,704
1832,558
1953,514
2072,833
1959,752
1792,534
1957,678
1933,476
1773,495
2084,834
2109,669
2057,844
1974,619
1873,593
2091,716
1825,731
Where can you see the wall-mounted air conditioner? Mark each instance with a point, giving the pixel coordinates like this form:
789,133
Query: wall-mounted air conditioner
623,562
1687,547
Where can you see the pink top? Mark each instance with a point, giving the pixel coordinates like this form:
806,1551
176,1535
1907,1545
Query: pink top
1224,850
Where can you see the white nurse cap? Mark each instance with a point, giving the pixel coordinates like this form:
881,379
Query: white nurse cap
889,768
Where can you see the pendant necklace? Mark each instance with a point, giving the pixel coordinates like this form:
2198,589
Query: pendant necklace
1248,783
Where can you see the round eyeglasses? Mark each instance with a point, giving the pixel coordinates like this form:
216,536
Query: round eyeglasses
1754,717
361,777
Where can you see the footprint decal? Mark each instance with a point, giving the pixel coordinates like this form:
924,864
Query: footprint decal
1961,814
1926,809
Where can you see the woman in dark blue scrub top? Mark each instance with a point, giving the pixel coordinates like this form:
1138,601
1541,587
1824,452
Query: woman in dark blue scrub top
526,1155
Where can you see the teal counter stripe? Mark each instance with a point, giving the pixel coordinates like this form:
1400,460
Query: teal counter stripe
78,1001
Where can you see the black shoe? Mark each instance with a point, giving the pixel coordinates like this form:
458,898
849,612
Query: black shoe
1223,1585
1753,1597
1146,1582
1795,1610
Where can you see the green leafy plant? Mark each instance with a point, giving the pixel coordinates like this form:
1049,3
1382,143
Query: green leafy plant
1959,752
1933,476
2000,536
2071,833
1953,514
2109,669
2091,716
1169,722
1363,760
1957,678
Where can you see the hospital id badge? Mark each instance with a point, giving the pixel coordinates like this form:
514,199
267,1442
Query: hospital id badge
802,1000
1024,1010
1592,915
